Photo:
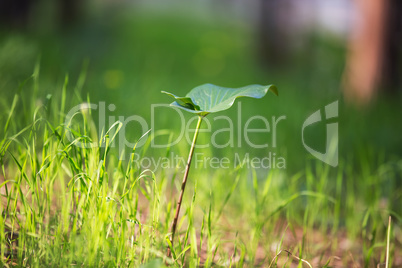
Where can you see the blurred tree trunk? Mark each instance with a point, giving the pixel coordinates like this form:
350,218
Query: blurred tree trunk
274,37
374,56
392,71
16,13
70,11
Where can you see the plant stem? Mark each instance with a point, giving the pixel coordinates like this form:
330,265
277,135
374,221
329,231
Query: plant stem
388,238
183,184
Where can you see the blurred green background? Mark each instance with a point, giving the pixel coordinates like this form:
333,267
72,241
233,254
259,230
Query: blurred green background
133,50
125,53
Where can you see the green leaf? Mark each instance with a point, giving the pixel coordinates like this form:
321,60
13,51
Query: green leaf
185,102
209,98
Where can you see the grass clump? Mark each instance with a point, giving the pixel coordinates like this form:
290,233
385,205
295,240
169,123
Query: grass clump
67,204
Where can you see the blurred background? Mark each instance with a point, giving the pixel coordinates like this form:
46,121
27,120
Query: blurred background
316,52
125,52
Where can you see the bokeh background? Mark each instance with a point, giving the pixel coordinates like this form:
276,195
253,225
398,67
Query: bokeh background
316,52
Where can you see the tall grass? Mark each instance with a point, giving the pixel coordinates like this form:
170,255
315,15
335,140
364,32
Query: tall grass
64,204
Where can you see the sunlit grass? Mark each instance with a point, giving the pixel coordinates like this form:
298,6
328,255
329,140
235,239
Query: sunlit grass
63,204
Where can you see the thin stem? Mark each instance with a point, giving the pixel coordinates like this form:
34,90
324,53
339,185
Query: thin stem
183,184
388,239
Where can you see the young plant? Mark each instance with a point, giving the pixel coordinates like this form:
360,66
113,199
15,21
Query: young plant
203,100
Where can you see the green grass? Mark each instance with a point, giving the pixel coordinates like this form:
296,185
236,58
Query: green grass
62,204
